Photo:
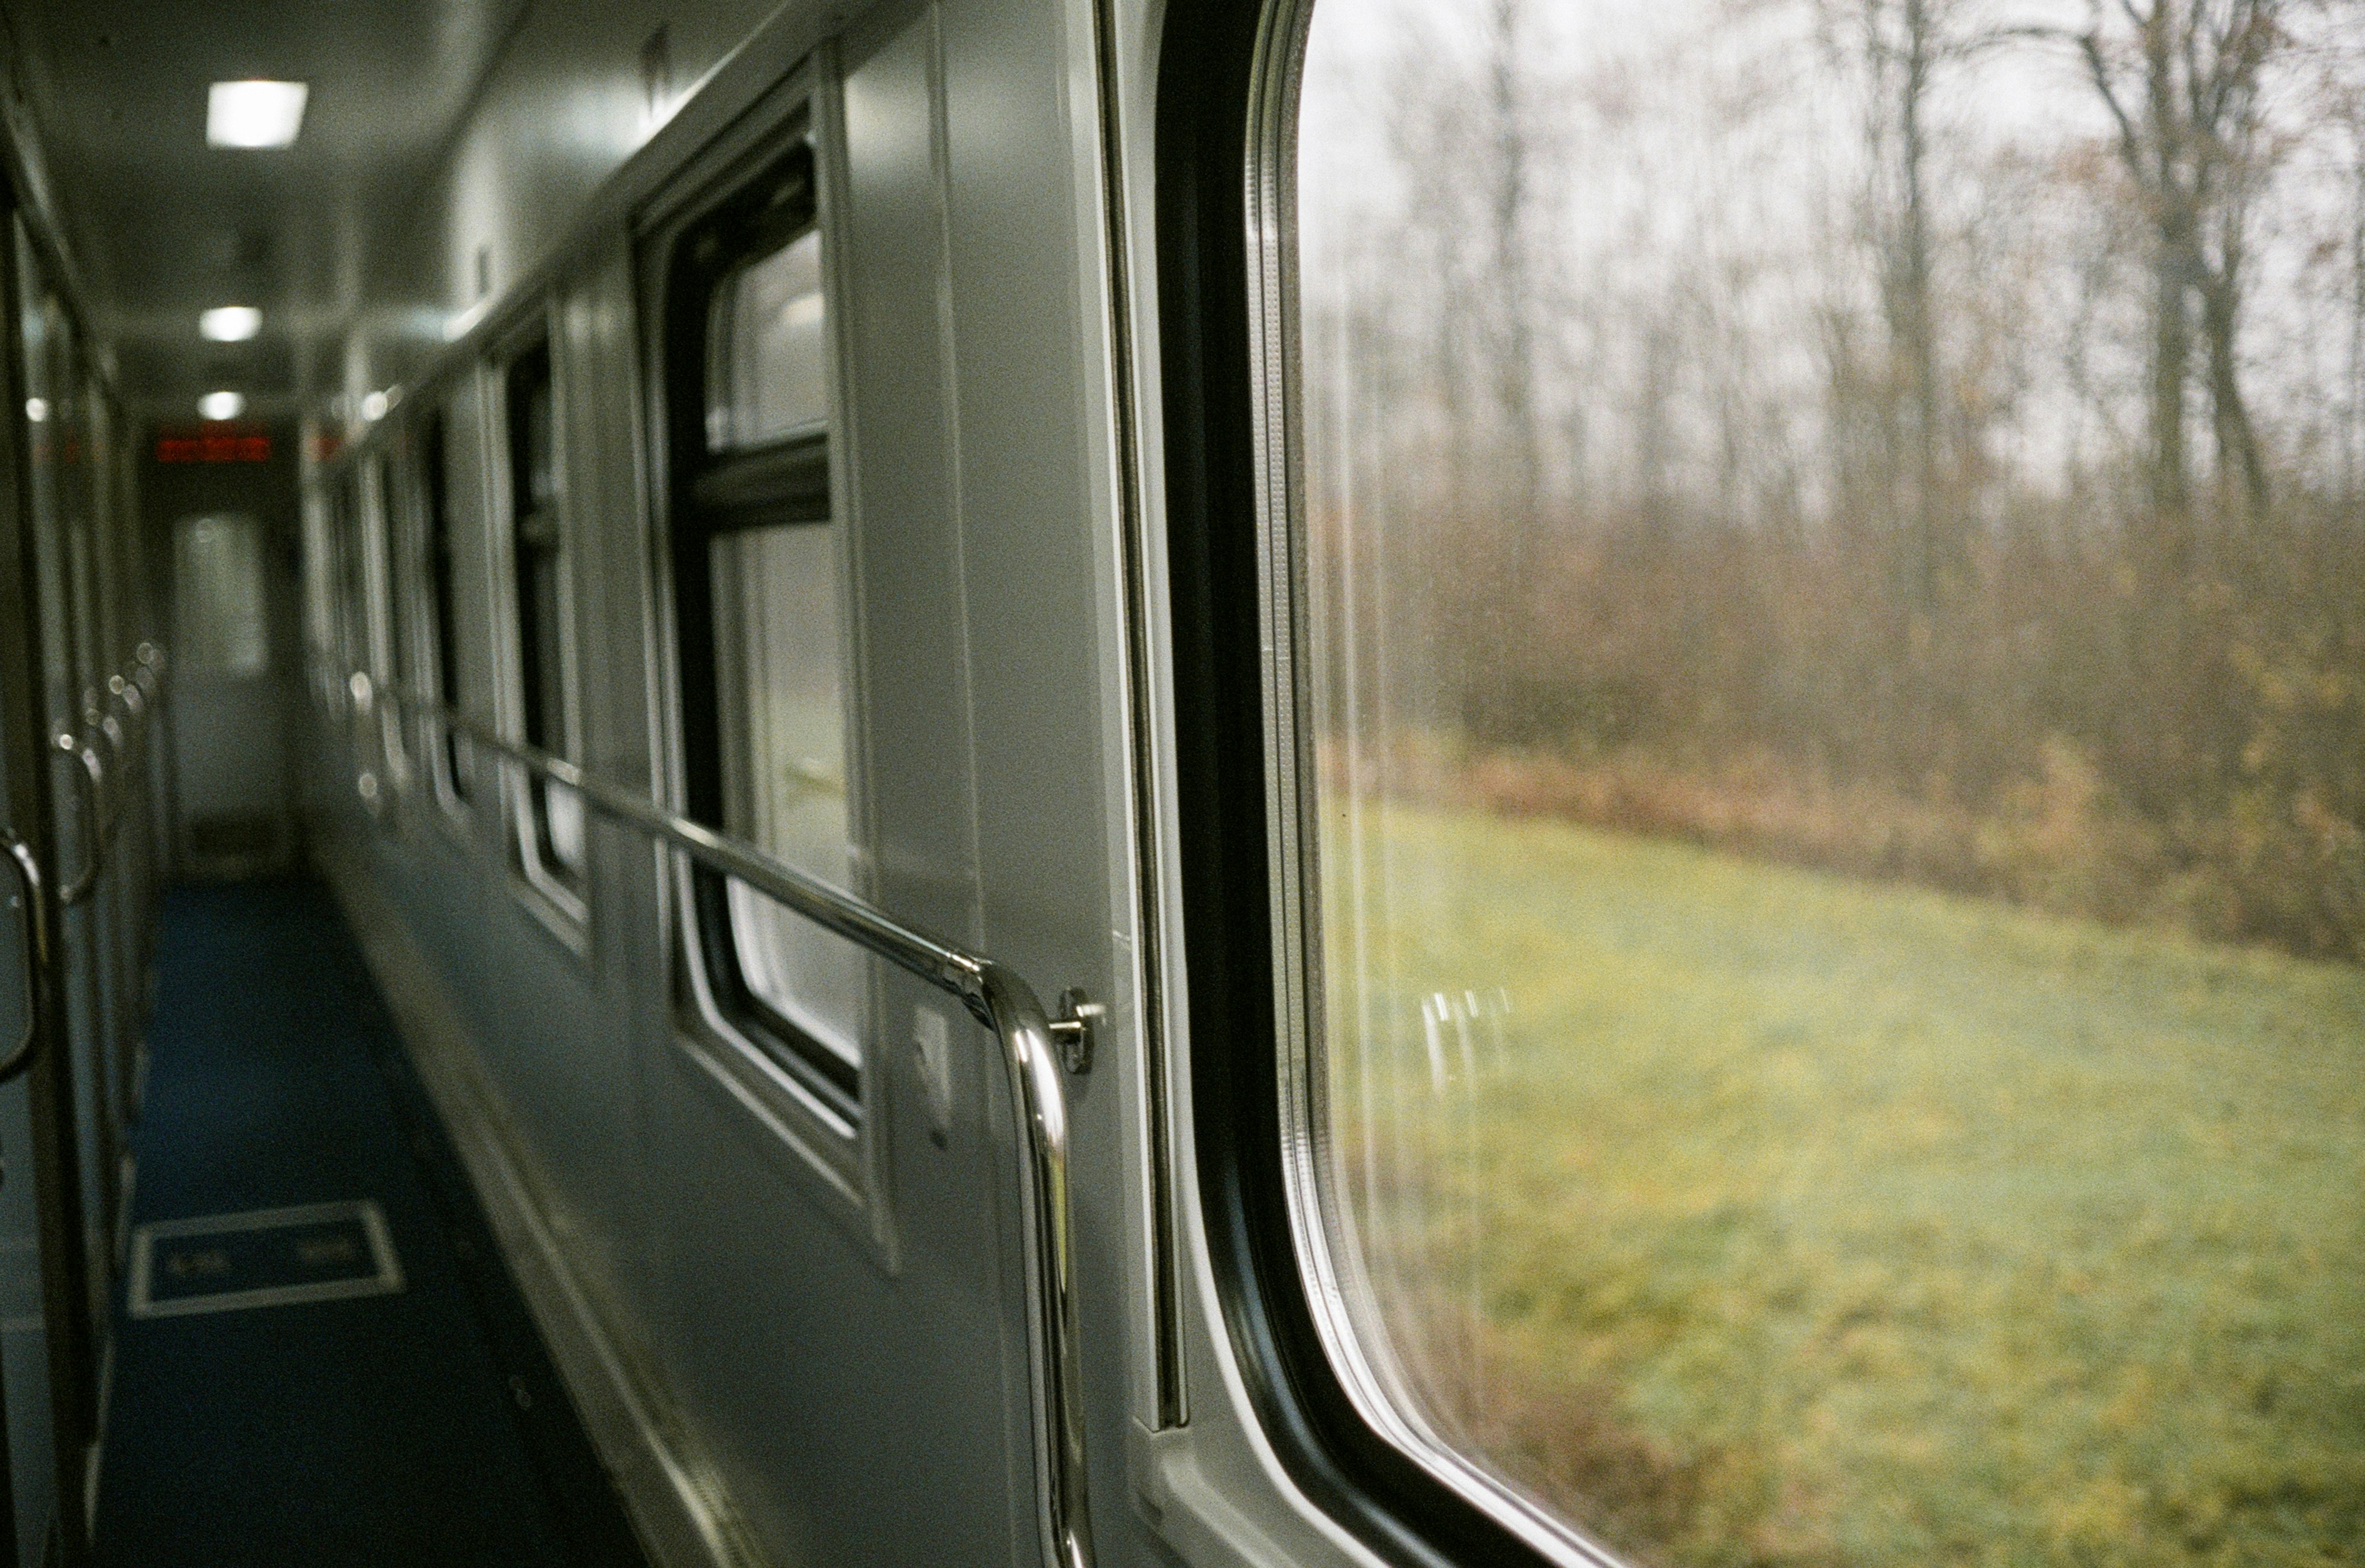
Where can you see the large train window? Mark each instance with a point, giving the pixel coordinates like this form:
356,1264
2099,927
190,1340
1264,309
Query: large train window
1776,854
549,828
759,579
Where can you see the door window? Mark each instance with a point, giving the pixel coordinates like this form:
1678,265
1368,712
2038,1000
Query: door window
219,624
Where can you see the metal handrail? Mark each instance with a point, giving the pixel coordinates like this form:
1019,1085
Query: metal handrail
1034,1048
109,728
126,689
35,948
100,822
90,780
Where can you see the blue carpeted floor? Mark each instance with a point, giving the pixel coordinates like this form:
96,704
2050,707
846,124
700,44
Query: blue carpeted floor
419,1428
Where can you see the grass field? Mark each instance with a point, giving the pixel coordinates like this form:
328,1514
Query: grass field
1758,1217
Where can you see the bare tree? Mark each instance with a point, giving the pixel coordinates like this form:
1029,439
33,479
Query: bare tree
2355,446
2346,101
1902,50
1511,135
2181,79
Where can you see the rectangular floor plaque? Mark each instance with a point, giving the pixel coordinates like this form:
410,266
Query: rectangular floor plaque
264,1258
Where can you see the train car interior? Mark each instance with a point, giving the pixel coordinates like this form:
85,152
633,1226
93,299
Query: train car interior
1183,783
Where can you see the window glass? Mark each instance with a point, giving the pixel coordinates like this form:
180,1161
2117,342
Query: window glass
383,636
781,676
352,577
441,573
767,360
761,573
1836,657
218,610
403,644
555,811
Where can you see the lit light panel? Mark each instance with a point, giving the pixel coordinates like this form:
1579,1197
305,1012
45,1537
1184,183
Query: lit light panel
254,114
229,323
221,405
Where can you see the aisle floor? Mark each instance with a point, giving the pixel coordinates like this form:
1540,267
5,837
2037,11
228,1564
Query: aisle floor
416,1424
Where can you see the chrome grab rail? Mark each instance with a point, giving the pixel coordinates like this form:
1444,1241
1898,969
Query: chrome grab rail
35,946
126,690
103,807
90,780
1034,1048
102,725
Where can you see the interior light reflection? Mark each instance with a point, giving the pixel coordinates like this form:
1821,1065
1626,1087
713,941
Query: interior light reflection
221,405
229,323
254,114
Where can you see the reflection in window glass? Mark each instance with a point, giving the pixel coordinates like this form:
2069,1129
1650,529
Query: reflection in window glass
781,674
767,357
1838,669
218,620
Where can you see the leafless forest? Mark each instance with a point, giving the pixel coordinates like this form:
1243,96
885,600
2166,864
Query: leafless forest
1920,438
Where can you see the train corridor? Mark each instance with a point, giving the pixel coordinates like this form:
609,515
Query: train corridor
320,1358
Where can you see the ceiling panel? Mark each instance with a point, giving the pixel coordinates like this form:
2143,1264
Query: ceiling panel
164,226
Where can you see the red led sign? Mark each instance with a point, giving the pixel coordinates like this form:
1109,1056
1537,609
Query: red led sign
214,444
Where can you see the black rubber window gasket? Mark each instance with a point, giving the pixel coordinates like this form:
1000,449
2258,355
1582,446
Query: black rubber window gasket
1376,1490
711,494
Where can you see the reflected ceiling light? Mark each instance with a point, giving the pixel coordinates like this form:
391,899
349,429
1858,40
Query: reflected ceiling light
221,405
229,323
372,405
37,408
456,327
254,114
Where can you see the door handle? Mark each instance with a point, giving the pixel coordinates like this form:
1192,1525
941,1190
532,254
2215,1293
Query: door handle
34,944
90,777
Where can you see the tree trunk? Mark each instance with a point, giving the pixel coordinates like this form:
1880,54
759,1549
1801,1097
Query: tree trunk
2238,442
1917,318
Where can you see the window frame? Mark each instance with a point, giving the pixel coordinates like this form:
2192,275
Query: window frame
800,1083
1228,77
563,900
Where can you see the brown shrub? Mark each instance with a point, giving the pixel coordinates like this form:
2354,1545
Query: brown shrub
2278,867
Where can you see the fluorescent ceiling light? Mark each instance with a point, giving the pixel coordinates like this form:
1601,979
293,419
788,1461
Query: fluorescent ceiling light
254,114
229,323
221,405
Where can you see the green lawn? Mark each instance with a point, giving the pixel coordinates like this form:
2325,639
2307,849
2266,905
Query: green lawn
1759,1216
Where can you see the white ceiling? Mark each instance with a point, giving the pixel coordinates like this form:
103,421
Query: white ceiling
164,225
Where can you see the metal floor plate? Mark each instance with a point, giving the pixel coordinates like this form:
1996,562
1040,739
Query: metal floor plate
261,1258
